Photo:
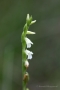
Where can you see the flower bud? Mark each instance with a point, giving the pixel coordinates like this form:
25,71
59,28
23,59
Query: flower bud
30,32
33,22
26,64
26,77
27,16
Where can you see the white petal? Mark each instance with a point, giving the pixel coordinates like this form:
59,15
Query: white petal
28,40
30,56
28,52
28,45
29,32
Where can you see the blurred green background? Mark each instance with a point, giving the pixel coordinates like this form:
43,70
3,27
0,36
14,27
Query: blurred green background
45,66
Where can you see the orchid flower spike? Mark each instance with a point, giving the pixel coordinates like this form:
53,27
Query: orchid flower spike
26,54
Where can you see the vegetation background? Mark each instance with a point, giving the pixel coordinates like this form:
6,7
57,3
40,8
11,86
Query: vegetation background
44,68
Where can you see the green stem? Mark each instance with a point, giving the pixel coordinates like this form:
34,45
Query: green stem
23,59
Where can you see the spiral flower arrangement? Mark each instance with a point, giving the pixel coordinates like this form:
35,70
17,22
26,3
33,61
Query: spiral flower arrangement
26,54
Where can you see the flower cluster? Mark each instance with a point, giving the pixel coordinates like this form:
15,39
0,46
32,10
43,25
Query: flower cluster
29,42
26,43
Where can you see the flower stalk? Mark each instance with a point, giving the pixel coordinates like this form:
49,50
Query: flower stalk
26,54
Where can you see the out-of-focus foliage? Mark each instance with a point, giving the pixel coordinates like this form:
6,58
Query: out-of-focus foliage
45,66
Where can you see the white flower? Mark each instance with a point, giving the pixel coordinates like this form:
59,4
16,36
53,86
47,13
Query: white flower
29,32
29,54
28,42
26,64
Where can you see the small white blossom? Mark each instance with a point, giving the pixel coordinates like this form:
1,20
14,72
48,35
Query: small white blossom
33,22
28,42
29,54
30,32
26,64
